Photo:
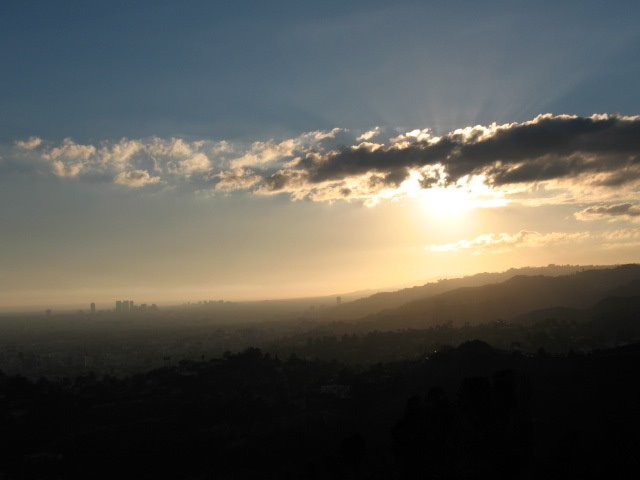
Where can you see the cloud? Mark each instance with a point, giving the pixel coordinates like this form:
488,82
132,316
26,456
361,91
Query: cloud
135,178
502,242
547,147
30,144
236,179
121,153
623,235
505,242
625,211
172,147
70,150
625,238
265,152
197,163
368,135
61,169
549,159
565,154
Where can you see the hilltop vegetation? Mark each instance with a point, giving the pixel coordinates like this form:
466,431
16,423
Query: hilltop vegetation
466,412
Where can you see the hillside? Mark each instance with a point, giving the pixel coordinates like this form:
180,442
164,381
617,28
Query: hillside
608,311
508,299
389,300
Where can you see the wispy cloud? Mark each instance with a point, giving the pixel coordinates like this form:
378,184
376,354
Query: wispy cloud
29,144
262,153
368,135
618,211
236,179
505,242
136,178
624,238
61,169
502,242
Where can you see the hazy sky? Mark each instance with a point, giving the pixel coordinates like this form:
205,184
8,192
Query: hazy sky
192,150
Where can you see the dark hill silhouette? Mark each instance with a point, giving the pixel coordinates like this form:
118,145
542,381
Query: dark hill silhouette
388,300
611,321
476,347
619,315
614,308
618,306
506,300
557,313
632,289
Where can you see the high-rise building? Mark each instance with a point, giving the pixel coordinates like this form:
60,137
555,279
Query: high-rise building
118,306
93,307
338,300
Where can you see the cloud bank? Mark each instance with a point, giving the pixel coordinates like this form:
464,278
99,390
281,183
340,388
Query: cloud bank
551,158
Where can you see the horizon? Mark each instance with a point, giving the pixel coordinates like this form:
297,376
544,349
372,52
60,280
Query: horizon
330,298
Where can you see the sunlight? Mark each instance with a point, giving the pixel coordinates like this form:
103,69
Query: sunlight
446,201
453,201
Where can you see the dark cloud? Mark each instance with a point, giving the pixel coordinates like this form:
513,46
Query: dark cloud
391,162
620,177
282,178
547,147
625,210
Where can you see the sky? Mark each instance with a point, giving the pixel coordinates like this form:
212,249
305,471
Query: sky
183,151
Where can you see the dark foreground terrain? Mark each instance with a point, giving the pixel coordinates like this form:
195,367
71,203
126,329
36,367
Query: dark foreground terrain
532,377
466,412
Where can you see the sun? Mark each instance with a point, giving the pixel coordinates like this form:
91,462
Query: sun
446,202
452,203
439,201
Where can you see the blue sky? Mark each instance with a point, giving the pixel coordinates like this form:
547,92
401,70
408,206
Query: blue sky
251,149
95,70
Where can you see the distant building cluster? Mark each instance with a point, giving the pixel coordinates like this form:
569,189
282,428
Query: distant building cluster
123,306
127,306
204,304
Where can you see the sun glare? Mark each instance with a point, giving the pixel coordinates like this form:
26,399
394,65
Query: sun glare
453,201
446,201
